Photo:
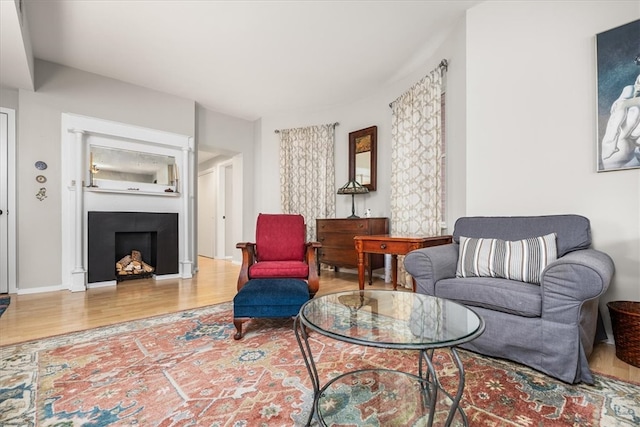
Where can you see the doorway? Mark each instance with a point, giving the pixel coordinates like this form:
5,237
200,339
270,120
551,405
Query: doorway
206,213
219,204
7,201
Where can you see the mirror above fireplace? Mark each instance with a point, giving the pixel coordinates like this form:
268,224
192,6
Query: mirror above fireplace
116,168
126,165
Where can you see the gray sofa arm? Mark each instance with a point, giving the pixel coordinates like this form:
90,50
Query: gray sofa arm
573,279
428,265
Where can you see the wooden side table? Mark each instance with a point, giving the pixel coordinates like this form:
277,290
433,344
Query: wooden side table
394,245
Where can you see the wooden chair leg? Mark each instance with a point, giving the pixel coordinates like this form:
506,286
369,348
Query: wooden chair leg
238,324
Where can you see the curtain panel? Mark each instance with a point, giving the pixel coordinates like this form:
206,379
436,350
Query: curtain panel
307,173
416,160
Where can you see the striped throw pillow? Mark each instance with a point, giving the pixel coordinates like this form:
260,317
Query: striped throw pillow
522,260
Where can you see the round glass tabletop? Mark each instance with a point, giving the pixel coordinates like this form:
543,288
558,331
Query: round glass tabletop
391,319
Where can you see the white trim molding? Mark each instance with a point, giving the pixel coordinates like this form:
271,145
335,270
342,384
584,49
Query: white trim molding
11,199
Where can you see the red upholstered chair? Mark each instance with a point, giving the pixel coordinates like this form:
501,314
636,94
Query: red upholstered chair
280,251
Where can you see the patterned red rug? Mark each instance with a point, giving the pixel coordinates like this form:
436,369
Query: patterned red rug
184,369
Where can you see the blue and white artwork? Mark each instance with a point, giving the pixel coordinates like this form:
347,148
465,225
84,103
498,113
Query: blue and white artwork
618,67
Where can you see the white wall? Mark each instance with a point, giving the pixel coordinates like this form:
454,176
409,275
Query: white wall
531,124
9,98
372,110
61,89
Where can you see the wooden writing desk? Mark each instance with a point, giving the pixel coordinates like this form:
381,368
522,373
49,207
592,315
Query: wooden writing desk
394,245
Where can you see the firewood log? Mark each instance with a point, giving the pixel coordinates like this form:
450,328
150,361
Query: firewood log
125,260
133,264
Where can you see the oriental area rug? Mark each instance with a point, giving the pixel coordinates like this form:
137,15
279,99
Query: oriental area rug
185,369
4,304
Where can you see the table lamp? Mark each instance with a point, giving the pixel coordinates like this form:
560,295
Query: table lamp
353,188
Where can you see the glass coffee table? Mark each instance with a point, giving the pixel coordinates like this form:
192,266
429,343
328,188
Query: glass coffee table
392,320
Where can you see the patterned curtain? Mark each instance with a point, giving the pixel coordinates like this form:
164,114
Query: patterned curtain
416,160
307,174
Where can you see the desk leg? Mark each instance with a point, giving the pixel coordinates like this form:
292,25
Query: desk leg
394,271
361,270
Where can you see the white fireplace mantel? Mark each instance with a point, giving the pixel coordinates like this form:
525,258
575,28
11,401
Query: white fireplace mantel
78,134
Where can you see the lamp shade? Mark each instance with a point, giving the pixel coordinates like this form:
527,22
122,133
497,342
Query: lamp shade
352,187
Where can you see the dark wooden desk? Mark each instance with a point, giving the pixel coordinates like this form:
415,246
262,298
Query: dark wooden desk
394,245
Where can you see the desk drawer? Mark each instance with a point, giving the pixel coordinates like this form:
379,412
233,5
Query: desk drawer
400,246
336,239
385,247
348,225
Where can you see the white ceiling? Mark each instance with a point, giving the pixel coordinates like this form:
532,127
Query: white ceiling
248,59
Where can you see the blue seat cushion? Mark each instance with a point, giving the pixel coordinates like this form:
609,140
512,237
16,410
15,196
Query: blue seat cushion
270,298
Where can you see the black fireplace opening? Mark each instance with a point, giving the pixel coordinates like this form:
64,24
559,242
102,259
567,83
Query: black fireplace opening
114,235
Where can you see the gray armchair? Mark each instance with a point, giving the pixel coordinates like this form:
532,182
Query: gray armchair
550,326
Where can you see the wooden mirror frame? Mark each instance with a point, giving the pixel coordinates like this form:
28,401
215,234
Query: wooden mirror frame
372,132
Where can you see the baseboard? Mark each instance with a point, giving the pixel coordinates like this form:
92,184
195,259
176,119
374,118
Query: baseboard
104,284
166,276
41,289
93,285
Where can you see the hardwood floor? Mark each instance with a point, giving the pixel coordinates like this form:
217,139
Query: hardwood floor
34,316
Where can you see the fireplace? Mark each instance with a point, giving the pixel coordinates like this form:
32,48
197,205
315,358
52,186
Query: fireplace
88,250
113,235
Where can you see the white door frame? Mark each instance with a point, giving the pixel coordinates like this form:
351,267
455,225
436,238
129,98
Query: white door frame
230,212
8,239
222,210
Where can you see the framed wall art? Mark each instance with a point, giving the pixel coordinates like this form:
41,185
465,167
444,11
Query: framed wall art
618,91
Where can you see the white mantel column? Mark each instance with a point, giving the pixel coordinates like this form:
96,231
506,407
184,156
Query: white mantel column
187,209
78,274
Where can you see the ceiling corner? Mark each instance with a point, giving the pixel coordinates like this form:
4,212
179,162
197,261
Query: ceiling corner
16,66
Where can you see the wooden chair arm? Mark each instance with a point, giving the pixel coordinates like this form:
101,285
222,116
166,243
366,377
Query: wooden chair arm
314,279
248,258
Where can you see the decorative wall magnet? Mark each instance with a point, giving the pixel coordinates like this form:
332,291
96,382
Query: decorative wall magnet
40,165
41,179
41,194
